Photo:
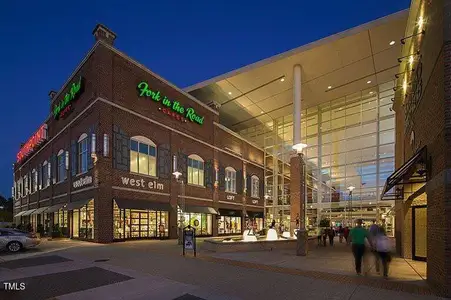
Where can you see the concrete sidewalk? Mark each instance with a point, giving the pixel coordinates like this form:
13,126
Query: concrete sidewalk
158,271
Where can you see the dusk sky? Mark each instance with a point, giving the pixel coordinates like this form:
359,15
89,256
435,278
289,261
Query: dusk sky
184,42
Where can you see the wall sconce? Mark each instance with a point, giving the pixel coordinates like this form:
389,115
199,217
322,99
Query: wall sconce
106,145
66,161
93,143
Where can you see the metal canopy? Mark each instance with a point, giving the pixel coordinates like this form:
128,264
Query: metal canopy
358,59
77,204
28,212
56,207
40,210
408,172
20,214
200,209
142,204
230,212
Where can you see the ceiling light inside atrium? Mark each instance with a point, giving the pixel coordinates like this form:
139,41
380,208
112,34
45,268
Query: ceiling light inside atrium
283,79
230,93
392,43
369,81
329,87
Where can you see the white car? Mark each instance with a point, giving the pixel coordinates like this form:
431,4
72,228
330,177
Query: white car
14,240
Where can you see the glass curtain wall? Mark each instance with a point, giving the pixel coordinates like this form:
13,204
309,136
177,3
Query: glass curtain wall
350,144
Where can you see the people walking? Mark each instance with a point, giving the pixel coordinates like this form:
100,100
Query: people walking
340,233
383,249
318,234
331,234
346,234
373,234
324,235
358,235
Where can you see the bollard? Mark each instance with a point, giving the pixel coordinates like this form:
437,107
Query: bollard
302,242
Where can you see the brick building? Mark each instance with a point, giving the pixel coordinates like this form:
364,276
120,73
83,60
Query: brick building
102,165
421,183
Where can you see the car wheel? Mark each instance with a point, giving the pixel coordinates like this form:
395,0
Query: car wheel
14,246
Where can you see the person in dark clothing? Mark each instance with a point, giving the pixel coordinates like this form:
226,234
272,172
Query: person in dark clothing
273,224
324,234
346,234
331,234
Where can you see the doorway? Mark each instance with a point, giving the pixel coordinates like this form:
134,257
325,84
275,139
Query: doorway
419,233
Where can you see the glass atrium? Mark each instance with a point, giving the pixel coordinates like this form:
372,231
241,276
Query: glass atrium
350,144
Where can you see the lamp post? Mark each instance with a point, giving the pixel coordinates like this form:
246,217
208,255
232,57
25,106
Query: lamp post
351,188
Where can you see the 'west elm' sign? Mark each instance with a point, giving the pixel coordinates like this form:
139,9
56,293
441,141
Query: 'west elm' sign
171,106
141,183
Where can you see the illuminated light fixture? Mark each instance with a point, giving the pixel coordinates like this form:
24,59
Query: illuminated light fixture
329,87
368,82
370,203
420,22
230,93
371,93
351,188
411,60
282,79
392,43
177,174
298,147
262,112
404,84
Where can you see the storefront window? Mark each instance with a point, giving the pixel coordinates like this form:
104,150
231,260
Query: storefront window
133,223
61,171
230,180
255,187
75,223
83,153
83,221
204,226
143,156
229,225
60,221
195,170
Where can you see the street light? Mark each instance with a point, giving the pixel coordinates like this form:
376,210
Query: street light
351,188
181,195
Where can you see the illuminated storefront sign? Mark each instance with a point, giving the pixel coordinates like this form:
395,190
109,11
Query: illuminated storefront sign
36,139
172,107
61,109
87,180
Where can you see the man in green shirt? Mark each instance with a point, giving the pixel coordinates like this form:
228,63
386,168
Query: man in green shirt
358,235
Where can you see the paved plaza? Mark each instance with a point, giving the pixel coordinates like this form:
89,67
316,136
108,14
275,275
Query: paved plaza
156,270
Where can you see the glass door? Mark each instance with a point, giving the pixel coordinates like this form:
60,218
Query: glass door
419,233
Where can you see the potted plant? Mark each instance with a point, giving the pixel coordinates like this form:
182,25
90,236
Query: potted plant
56,231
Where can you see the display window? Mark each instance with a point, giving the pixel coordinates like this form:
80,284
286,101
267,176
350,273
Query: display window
60,222
83,221
203,225
139,224
229,225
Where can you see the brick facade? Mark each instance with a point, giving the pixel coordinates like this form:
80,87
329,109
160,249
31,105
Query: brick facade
430,124
111,106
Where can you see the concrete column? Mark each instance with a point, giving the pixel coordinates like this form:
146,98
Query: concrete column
297,94
297,191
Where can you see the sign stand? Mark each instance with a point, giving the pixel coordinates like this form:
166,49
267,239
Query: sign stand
189,239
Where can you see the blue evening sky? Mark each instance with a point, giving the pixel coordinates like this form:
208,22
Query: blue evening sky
184,41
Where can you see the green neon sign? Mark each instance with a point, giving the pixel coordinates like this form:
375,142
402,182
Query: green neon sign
175,106
62,108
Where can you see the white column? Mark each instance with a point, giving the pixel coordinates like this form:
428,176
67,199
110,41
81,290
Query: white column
297,93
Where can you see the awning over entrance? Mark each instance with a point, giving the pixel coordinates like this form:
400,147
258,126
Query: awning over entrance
77,204
254,214
200,209
230,212
413,171
40,210
25,213
28,212
56,207
142,204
